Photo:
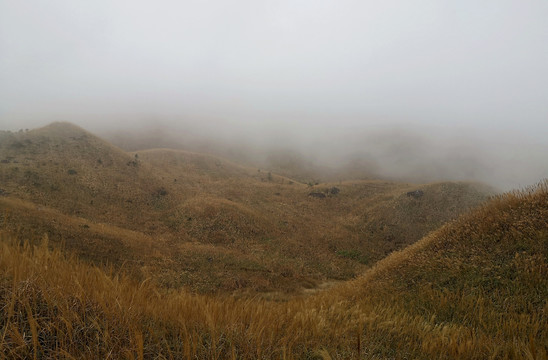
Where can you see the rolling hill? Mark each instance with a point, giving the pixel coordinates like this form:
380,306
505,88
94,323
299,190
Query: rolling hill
207,224
477,288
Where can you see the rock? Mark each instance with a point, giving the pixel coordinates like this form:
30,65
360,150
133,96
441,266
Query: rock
416,194
161,192
317,195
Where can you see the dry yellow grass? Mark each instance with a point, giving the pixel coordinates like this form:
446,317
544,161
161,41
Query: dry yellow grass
204,223
475,289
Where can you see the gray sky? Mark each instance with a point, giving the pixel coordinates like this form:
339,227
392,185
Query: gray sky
300,69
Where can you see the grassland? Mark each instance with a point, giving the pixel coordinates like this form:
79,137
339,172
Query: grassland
206,224
477,288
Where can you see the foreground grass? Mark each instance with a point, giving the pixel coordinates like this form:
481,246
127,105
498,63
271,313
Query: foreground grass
475,289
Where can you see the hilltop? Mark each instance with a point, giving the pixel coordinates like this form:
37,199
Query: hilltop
205,223
476,288
64,167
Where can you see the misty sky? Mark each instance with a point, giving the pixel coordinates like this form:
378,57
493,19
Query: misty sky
285,68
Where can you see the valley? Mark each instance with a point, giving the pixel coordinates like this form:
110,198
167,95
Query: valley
162,253
196,221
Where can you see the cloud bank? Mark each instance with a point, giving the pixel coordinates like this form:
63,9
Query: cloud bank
424,83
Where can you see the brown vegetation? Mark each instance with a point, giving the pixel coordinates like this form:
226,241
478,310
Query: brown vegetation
204,223
475,289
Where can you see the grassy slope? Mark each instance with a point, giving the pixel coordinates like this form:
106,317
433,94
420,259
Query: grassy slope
207,223
62,166
475,289
252,212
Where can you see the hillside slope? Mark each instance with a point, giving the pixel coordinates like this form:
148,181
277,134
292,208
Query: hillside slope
64,167
475,289
209,224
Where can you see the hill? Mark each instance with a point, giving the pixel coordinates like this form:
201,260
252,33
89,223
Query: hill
205,223
476,288
62,166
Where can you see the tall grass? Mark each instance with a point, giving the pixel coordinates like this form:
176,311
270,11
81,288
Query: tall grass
475,289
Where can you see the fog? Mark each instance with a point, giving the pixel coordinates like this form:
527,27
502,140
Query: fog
419,91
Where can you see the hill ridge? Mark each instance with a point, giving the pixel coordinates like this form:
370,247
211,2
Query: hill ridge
433,238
